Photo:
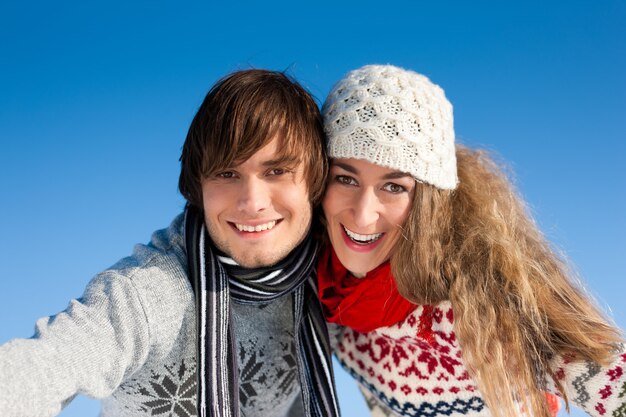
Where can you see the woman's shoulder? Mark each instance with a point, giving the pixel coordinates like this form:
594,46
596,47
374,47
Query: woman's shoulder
423,323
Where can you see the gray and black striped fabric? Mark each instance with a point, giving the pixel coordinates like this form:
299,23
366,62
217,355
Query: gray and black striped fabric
216,280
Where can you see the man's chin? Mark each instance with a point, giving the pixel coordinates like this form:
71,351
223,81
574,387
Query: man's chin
257,260
260,254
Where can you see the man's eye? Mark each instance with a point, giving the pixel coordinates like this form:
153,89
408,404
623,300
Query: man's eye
394,188
225,174
345,179
277,171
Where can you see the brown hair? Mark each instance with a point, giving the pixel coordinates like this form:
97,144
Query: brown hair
241,114
516,306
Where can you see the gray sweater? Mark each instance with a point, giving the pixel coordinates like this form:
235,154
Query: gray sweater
130,340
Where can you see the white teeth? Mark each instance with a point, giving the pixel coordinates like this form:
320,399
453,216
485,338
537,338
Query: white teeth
259,228
362,238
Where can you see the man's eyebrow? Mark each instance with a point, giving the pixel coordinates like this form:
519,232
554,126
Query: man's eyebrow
287,160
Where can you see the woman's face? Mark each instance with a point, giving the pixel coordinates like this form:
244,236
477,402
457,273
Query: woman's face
365,206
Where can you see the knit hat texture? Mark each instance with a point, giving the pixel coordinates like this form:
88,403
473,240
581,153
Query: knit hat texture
394,118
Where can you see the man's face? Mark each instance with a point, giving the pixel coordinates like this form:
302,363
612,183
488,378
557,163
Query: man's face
258,211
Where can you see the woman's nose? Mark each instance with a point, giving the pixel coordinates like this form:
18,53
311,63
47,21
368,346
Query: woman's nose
366,208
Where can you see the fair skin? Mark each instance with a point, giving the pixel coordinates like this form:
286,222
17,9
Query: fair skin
365,206
259,210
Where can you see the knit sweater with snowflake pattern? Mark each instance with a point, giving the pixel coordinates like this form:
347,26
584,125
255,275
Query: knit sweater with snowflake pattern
415,368
130,341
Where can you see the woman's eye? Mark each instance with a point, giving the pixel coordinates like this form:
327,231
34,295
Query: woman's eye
394,188
345,179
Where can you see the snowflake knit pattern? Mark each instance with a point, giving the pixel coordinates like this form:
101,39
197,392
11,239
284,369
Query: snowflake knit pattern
415,368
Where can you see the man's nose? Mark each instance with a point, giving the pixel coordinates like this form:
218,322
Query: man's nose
254,196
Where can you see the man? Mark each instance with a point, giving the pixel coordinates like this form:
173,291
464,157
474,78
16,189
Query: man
197,323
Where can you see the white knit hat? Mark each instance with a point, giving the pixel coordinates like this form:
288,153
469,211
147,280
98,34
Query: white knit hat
394,118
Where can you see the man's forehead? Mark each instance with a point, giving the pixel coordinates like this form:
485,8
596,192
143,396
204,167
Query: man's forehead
272,154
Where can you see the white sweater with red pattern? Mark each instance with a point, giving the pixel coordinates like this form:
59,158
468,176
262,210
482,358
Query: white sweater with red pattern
415,368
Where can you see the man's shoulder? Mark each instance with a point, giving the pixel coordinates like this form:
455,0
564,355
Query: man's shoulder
155,269
154,279
165,251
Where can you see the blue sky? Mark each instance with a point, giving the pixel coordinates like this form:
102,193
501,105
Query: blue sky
96,98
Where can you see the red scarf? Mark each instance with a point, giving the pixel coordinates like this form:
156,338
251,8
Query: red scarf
363,304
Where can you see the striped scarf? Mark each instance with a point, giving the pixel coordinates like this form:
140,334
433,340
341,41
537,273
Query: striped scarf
218,279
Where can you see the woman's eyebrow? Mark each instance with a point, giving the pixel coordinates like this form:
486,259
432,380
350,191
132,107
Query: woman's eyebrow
396,175
390,176
346,167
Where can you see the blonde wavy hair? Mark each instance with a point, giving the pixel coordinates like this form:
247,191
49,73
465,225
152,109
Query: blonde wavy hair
516,304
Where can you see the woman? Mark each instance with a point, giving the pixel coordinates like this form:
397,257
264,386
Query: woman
449,299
